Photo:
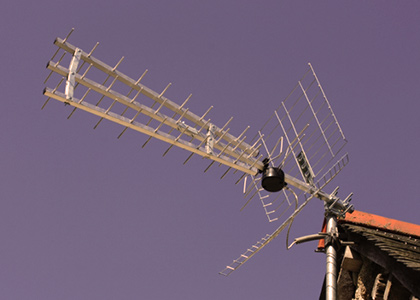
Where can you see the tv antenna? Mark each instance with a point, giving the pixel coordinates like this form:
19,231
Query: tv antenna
301,141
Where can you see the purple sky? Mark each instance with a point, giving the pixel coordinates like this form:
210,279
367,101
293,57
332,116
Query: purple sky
86,216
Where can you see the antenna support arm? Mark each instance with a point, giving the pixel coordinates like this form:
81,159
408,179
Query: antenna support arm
334,203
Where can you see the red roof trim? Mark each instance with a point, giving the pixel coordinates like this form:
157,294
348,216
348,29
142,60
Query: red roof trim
362,218
375,221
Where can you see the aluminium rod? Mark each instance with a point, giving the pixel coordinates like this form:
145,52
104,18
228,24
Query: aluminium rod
136,85
331,258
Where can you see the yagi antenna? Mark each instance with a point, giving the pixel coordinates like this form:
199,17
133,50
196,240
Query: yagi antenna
284,181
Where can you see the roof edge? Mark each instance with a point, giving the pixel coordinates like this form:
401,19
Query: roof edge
375,221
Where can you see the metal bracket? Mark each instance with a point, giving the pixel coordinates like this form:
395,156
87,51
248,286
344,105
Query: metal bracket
332,239
210,139
71,78
343,207
305,167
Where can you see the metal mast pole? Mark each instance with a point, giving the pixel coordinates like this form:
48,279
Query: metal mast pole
331,252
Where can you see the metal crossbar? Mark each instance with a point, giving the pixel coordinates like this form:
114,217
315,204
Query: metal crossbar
106,100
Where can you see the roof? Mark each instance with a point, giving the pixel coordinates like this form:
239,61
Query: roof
394,245
379,224
382,223
400,240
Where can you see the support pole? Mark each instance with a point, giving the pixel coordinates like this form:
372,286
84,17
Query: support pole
331,252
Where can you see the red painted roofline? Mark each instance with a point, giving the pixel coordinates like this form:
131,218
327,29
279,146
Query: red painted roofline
375,221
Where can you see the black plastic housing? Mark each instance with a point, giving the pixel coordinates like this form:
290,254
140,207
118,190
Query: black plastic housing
273,179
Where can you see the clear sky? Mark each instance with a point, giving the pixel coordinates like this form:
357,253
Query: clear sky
86,216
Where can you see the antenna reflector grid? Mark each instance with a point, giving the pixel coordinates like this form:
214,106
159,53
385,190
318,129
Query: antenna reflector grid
313,139
323,139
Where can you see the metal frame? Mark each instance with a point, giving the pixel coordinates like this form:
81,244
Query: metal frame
177,126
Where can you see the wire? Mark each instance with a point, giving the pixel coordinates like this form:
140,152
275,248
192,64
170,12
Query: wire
291,221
